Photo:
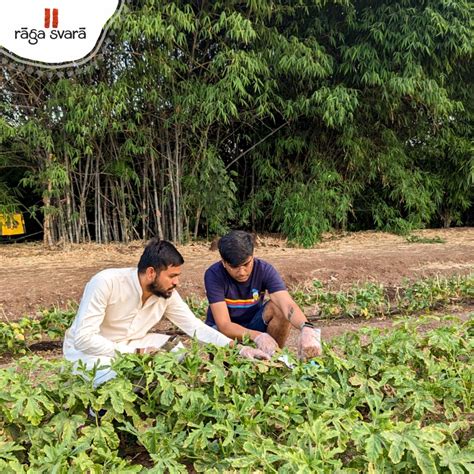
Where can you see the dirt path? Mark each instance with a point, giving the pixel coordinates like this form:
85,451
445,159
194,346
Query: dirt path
32,278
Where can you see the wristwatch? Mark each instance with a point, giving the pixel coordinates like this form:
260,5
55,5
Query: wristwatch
306,324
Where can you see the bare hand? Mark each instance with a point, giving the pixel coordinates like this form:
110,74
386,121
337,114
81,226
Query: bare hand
266,343
309,343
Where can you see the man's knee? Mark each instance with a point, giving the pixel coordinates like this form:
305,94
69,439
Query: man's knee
272,311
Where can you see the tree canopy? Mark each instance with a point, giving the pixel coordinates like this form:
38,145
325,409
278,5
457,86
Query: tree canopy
299,117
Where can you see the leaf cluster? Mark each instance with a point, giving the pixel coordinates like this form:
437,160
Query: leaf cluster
397,402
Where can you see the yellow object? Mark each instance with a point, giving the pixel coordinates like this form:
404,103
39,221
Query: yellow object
12,224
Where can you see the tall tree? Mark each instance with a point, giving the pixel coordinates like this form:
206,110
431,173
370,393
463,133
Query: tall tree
299,116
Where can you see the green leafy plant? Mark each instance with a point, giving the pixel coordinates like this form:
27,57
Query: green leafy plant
395,402
415,239
198,306
371,299
50,325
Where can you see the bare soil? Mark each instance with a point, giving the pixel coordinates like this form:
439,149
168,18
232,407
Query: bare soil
34,278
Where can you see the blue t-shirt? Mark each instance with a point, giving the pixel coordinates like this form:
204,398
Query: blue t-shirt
243,299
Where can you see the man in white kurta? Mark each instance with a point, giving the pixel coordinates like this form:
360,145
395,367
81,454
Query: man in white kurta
121,305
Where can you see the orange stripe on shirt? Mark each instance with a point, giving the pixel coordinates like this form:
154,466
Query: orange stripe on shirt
250,300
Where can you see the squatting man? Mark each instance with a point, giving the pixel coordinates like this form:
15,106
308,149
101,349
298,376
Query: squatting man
121,305
236,288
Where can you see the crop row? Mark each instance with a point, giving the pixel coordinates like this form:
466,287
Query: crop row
373,299
366,301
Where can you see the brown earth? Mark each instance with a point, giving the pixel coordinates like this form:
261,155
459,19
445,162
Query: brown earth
32,277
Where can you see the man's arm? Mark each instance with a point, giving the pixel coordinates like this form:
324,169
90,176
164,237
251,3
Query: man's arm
309,343
226,326
178,312
289,308
91,313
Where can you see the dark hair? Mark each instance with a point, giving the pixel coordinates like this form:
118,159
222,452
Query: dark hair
236,247
159,254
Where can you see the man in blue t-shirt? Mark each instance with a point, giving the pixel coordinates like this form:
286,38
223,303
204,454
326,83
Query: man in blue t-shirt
236,288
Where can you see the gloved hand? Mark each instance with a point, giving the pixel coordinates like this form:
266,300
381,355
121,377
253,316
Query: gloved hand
251,353
266,343
309,343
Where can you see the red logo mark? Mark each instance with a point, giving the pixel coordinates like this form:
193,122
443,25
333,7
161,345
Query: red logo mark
47,17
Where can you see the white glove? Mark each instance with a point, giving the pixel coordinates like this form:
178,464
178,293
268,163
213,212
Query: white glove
309,343
266,343
251,353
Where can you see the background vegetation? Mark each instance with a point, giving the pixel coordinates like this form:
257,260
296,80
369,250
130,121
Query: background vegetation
297,117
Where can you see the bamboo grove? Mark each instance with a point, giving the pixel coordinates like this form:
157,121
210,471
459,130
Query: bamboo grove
293,116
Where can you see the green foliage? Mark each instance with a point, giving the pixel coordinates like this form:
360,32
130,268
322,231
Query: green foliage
378,122
415,239
306,210
396,402
295,116
16,336
371,299
9,203
211,192
198,306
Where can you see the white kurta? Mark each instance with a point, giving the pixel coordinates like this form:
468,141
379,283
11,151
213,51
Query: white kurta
111,319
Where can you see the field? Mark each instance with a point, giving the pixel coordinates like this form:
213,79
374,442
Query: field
379,400
33,279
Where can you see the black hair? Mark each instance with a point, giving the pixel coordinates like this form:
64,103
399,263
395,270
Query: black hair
159,254
236,247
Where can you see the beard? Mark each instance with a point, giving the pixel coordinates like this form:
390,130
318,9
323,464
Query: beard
158,290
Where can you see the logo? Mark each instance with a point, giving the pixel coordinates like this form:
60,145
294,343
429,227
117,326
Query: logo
255,294
54,33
